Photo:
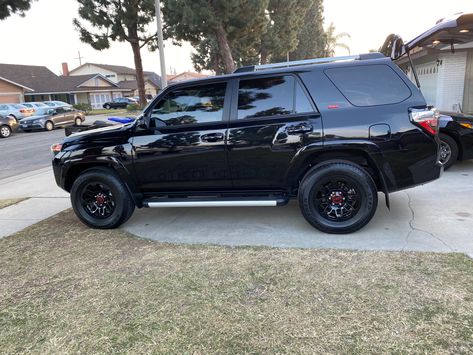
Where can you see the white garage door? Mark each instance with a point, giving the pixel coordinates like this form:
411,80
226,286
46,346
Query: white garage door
428,76
97,100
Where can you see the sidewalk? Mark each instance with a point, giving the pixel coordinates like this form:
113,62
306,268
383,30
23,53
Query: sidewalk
45,199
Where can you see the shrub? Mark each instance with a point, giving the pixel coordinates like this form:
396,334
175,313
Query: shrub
133,107
83,107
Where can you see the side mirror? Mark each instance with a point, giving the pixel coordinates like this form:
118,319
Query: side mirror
142,122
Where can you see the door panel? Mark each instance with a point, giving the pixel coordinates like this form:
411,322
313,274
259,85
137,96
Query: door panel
186,150
269,124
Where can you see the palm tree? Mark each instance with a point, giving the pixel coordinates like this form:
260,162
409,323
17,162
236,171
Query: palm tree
332,41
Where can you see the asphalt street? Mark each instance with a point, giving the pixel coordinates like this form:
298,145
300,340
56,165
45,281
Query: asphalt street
24,152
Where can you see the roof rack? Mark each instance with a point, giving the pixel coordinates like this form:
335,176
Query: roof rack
297,63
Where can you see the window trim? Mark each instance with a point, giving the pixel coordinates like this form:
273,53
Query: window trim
172,88
297,80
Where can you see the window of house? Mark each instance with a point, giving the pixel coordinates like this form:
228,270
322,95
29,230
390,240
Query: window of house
280,95
196,104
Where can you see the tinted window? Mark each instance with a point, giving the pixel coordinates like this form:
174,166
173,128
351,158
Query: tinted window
369,85
196,104
266,97
302,101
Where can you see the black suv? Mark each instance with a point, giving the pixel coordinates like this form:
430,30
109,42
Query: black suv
329,132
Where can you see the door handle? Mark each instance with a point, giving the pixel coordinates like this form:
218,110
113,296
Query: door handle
299,128
212,137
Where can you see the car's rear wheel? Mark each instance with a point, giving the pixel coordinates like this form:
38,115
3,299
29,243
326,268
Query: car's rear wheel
101,200
49,126
5,131
78,121
338,197
448,151
108,107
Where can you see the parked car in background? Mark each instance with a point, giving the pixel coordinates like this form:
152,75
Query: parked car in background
50,118
330,133
57,104
17,111
119,102
456,137
34,105
8,124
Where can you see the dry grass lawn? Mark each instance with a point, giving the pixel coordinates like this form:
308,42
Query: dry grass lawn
10,202
68,289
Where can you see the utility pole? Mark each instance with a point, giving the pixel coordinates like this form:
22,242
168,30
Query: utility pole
159,21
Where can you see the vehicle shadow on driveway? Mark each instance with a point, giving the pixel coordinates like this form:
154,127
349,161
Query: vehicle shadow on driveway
426,218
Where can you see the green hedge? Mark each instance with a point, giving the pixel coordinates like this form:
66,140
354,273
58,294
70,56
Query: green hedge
83,107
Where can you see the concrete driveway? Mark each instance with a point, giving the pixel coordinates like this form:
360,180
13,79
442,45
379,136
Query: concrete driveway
436,217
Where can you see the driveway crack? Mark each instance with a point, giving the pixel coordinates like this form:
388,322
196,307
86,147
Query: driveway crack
413,228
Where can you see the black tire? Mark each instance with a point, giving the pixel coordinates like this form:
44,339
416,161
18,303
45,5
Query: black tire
48,126
5,131
115,200
335,188
448,151
78,121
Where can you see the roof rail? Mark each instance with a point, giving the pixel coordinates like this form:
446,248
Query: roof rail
296,63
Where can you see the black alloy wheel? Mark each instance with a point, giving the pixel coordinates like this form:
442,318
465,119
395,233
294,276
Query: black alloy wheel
97,200
100,199
338,197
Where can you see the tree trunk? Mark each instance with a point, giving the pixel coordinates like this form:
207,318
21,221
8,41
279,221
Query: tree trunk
224,49
140,80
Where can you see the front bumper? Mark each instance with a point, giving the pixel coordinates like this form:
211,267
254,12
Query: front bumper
31,126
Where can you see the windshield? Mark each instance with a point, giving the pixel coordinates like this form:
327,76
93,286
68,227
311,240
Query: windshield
45,111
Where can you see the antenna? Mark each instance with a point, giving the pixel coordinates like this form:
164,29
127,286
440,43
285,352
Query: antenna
80,58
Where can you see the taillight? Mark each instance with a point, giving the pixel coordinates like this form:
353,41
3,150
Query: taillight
23,110
427,119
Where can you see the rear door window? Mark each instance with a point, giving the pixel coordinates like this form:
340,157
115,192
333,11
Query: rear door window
271,96
369,85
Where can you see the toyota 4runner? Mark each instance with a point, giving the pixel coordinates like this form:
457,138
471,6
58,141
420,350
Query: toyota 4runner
329,132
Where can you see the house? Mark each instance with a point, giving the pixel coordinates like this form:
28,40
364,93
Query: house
187,75
446,77
123,76
11,92
20,83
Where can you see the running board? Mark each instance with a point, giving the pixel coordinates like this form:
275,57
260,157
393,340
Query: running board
216,202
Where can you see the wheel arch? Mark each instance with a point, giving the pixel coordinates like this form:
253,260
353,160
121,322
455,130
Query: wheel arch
74,171
356,156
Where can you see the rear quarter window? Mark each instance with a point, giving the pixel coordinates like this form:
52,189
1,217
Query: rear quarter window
369,85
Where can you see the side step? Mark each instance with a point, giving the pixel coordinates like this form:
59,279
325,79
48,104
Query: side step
216,202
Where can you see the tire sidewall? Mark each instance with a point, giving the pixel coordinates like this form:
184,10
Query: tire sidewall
364,185
118,193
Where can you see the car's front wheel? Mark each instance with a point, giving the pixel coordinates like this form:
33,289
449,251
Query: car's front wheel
100,199
338,197
5,131
78,121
